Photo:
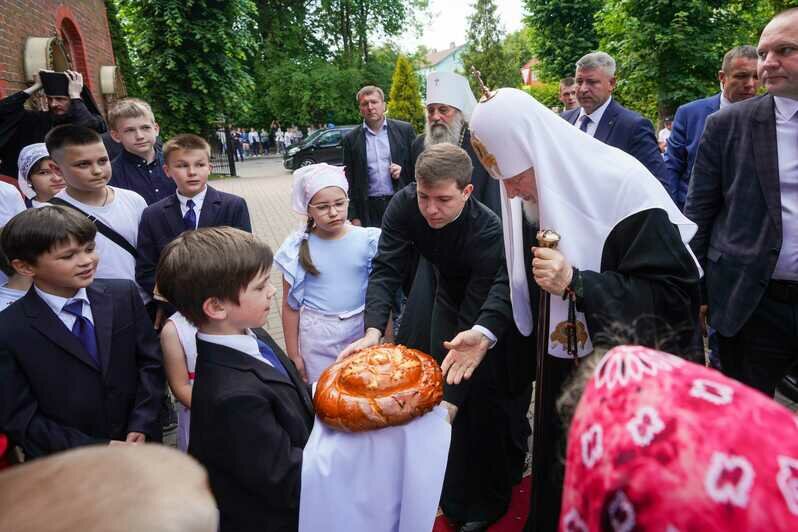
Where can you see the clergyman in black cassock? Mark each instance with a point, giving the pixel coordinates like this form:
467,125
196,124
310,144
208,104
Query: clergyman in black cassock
20,127
623,260
465,255
449,105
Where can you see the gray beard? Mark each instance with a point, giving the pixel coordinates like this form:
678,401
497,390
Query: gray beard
531,212
442,132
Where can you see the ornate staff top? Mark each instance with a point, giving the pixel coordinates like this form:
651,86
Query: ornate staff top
487,94
548,239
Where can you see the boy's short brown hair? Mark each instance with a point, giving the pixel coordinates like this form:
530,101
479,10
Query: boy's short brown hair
5,265
186,141
34,232
129,108
442,162
209,262
68,135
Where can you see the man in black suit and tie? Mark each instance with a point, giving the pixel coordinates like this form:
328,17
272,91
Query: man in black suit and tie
376,159
744,197
601,117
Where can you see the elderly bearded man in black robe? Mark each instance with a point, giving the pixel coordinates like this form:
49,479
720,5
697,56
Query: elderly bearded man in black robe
623,259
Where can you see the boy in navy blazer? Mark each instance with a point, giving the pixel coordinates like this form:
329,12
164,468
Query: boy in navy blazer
195,204
79,361
251,413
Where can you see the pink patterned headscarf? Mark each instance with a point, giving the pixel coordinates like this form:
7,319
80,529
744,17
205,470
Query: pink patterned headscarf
659,443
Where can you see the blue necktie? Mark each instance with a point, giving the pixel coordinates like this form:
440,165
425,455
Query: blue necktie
190,218
83,328
268,355
585,121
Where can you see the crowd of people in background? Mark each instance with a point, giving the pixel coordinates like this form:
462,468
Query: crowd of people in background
260,142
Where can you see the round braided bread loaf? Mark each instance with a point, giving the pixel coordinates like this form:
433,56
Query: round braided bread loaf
378,387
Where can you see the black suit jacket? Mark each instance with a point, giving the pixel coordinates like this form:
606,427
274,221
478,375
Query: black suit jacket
400,137
249,425
162,222
734,197
630,132
54,397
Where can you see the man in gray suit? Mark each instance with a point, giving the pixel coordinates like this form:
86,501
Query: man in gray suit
744,197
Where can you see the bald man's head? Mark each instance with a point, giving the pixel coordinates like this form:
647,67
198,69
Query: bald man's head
108,489
778,55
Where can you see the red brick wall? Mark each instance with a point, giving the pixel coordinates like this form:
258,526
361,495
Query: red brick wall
84,23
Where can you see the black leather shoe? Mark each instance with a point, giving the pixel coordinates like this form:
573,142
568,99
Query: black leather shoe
475,526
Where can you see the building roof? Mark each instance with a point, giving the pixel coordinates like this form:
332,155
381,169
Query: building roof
435,57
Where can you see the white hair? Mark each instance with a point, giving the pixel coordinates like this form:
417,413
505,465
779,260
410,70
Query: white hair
440,131
601,60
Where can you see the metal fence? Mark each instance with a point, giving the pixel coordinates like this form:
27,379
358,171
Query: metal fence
221,153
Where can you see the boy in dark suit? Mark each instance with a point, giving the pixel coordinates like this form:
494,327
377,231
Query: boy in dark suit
251,413
195,204
139,165
79,361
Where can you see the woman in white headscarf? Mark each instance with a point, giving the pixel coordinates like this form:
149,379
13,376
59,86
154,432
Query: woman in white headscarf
623,257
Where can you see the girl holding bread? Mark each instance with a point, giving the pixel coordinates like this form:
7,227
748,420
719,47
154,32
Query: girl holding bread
325,271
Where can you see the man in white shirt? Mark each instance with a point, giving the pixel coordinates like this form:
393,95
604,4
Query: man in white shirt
744,197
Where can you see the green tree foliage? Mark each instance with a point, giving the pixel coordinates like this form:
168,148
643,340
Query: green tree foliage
317,91
669,51
484,50
562,32
121,51
404,102
283,26
191,58
546,93
519,49
352,24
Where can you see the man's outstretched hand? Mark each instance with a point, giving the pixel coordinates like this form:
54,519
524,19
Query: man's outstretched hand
371,338
466,351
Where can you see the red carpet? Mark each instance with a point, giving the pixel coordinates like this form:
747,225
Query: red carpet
512,521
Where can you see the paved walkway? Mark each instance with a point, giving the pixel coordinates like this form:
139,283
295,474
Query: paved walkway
266,186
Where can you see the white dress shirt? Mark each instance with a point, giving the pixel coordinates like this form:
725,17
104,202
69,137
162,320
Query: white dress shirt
787,143
56,304
198,200
245,343
595,117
